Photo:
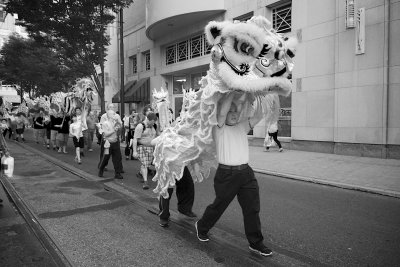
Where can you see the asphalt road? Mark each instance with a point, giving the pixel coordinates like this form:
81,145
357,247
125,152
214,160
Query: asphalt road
302,222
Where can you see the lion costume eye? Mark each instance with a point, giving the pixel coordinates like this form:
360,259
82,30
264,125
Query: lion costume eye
264,62
246,48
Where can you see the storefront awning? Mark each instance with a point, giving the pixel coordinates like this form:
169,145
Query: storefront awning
135,91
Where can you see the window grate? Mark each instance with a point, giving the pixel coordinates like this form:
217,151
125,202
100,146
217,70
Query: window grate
282,18
133,60
147,60
193,47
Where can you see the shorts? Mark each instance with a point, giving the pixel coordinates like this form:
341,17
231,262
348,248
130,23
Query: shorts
20,131
145,155
78,142
62,137
53,135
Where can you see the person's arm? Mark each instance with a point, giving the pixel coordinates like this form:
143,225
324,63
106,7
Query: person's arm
258,113
225,105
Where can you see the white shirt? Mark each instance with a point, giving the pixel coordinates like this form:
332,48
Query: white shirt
232,144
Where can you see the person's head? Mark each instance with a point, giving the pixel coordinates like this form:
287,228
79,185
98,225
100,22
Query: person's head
3,121
78,111
74,118
110,113
110,106
232,117
41,111
91,113
133,112
151,118
147,109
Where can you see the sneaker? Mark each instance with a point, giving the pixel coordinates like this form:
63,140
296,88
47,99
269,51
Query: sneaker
90,150
100,174
127,158
118,176
261,249
65,152
48,146
164,223
145,186
79,162
280,149
200,236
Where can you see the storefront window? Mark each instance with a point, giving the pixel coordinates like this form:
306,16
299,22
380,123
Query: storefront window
180,82
195,79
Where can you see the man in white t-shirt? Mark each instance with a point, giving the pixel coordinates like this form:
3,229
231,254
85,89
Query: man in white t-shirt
234,177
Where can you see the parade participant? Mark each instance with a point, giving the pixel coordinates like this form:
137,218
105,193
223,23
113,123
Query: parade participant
47,130
142,149
130,124
55,120
185,196
76,132
234,177
110,145
21,124
63,133
4,126
38,127
91,124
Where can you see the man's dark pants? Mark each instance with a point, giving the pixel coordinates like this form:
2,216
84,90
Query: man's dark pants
229,183
115,153
184,193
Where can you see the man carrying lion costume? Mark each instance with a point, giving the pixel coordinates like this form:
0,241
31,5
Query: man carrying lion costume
249,61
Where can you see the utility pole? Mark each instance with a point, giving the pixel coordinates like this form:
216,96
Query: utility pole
121,55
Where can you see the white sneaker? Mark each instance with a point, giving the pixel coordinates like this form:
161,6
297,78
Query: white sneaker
280,149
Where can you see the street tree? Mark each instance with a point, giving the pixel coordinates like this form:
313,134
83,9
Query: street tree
35,70
76,28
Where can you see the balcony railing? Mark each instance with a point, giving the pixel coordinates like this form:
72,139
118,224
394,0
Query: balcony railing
193,47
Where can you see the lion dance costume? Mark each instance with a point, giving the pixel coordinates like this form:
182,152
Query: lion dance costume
249,57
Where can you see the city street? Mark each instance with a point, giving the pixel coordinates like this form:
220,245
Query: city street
102,220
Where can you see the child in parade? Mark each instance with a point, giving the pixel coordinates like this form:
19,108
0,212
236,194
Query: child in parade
76,132
21,124
47,130
38,127
4,126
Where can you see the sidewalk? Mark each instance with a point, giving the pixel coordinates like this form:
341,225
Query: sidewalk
381,176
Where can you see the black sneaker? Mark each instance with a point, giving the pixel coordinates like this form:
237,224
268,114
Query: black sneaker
200,236
118,176
261,249
164,223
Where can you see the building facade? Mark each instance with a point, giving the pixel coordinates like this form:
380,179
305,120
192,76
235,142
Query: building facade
346,91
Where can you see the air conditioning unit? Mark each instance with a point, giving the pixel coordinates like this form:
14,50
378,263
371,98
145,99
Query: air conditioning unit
350,14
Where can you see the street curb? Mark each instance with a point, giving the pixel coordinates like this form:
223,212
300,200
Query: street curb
314,180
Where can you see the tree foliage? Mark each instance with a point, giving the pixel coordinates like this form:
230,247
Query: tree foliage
37,70
75,28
